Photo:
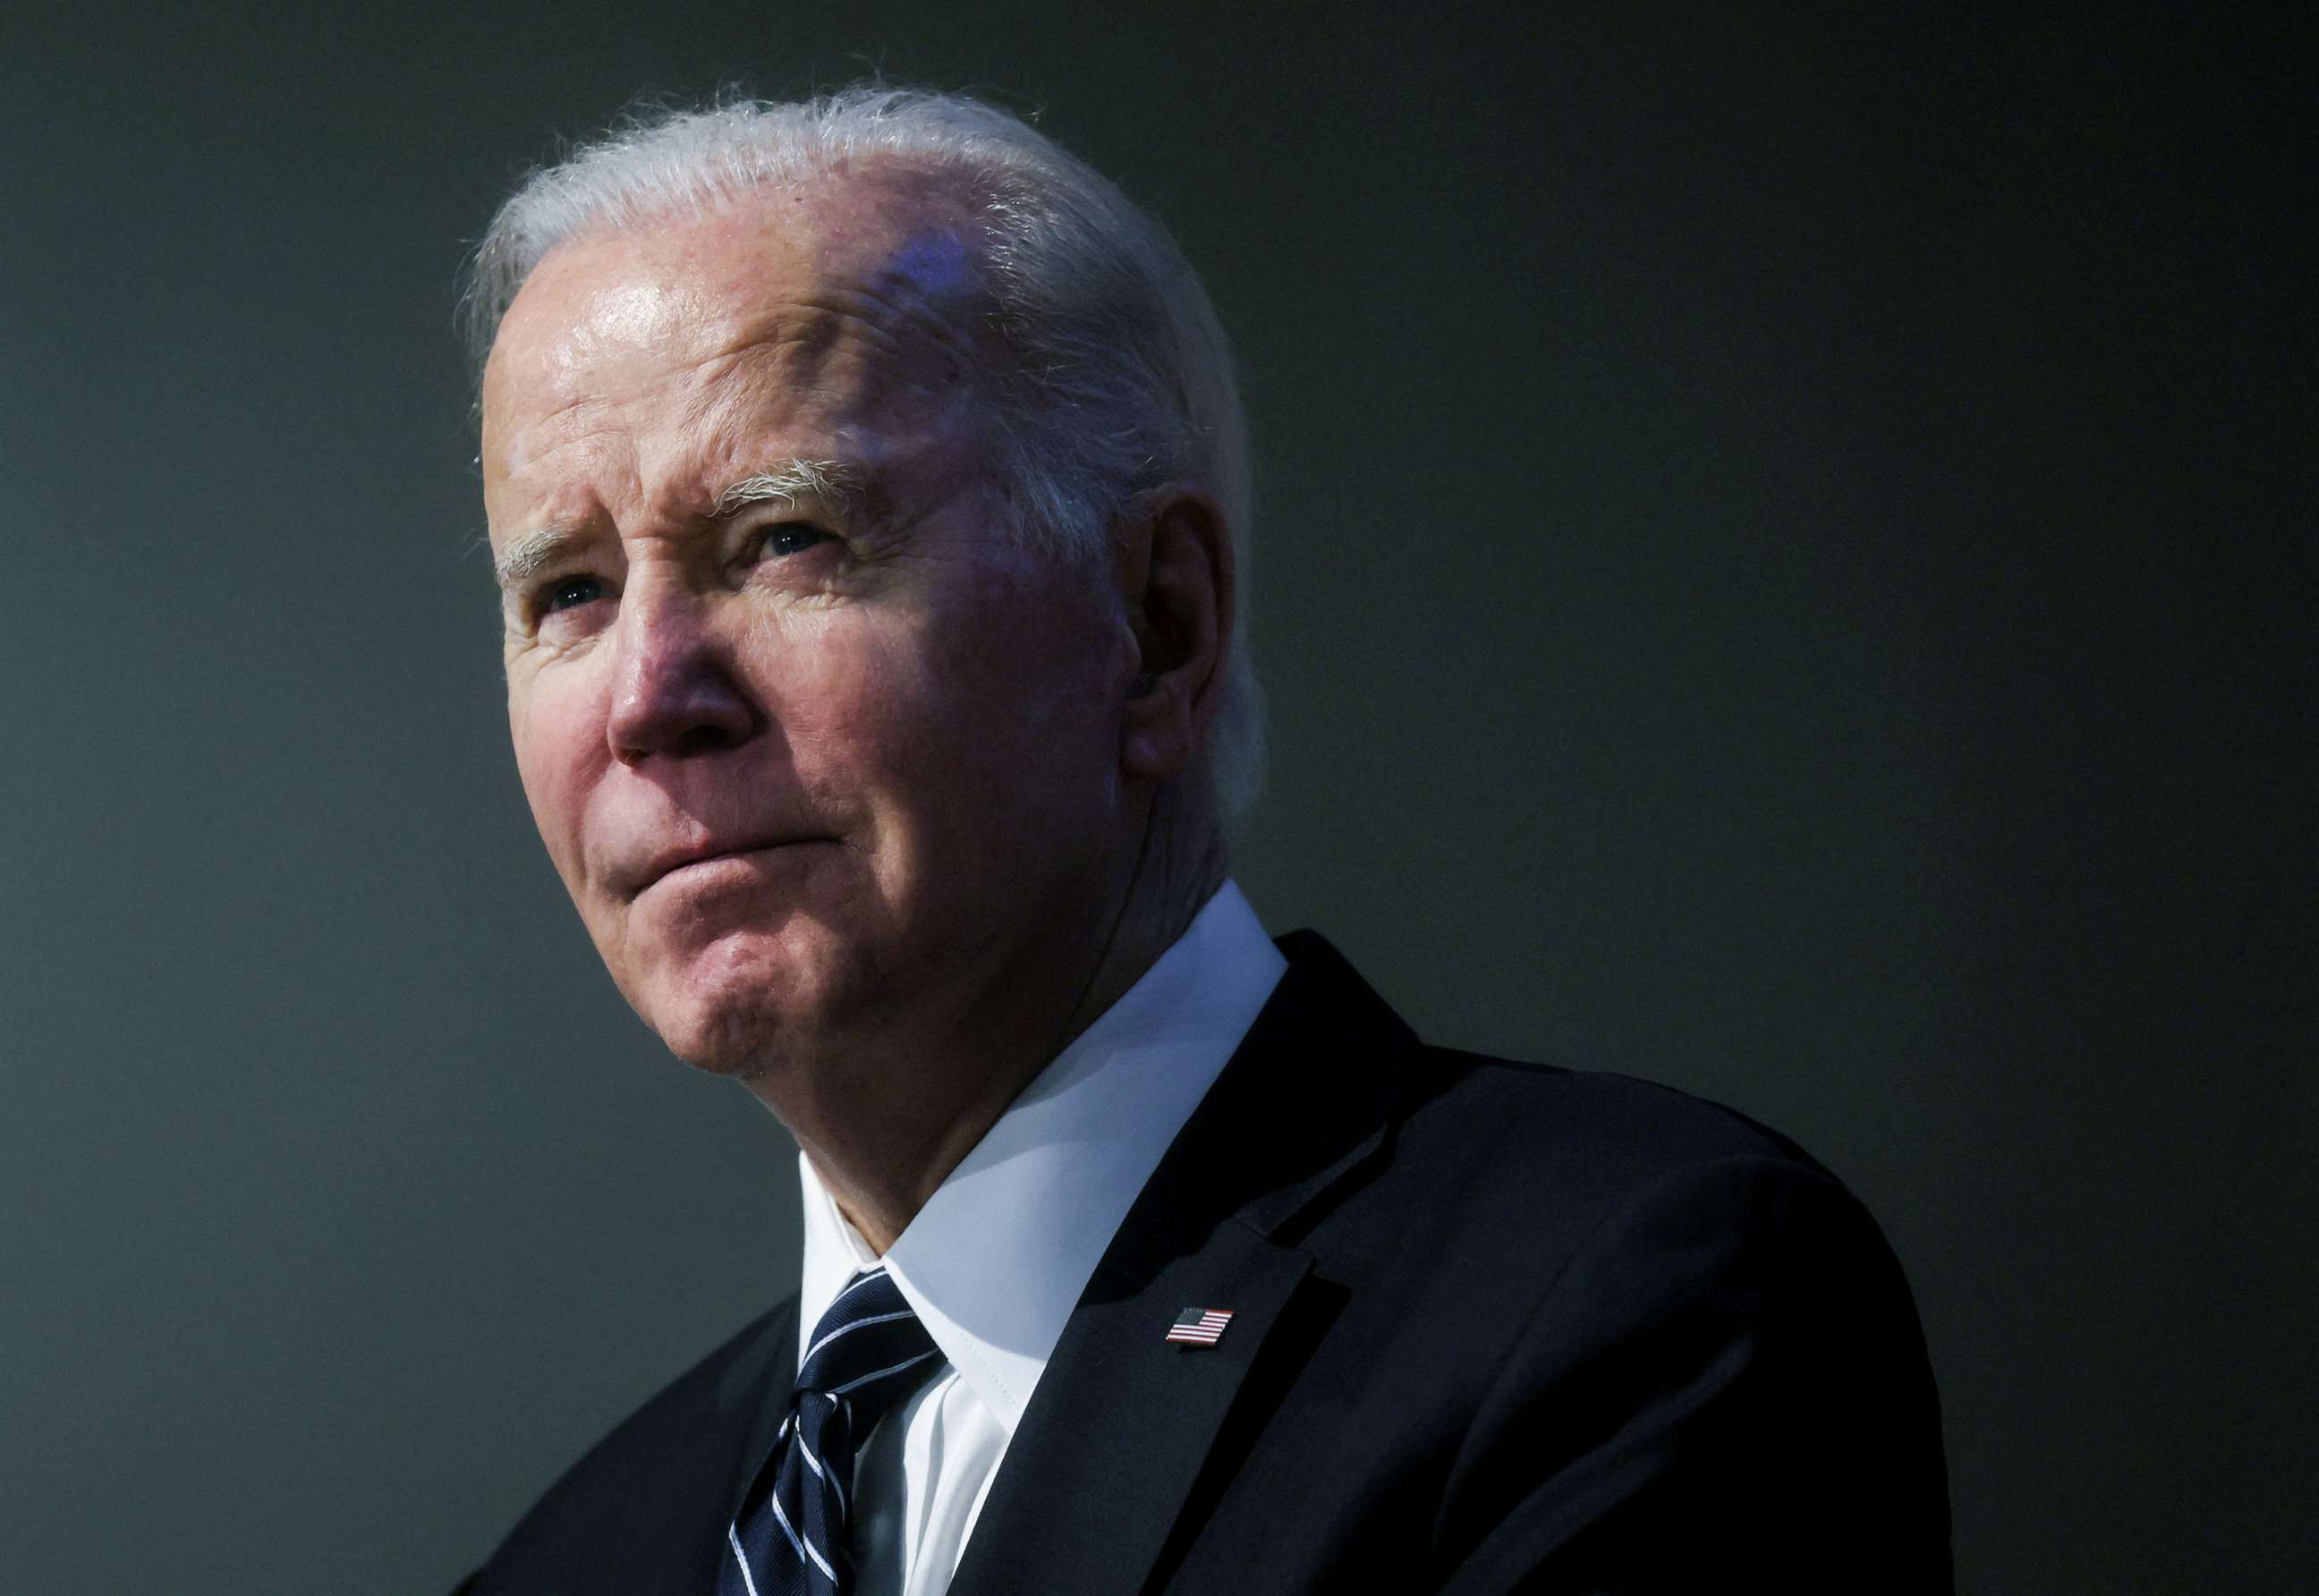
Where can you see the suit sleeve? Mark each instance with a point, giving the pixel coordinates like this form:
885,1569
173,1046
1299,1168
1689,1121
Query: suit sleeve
1725,1383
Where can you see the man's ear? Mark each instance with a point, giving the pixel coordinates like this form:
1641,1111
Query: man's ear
1176,580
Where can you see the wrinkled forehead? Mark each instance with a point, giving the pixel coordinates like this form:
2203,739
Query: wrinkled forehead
865,291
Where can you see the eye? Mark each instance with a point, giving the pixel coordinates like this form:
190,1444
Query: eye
783,538
569,592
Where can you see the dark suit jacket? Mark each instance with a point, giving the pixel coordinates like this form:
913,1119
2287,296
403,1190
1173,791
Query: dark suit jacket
1496,1327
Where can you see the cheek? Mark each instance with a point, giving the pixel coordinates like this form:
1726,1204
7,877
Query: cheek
852,702
559,745
972,727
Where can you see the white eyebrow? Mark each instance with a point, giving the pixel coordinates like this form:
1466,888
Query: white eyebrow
834,483
530,552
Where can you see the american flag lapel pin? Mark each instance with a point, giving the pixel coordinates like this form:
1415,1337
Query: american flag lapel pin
1199,1327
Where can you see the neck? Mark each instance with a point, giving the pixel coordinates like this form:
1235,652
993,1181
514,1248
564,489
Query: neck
883,1135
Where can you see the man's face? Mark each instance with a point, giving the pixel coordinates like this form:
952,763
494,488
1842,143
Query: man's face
817,767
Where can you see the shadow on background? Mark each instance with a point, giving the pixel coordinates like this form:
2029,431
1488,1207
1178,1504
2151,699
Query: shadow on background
1784,568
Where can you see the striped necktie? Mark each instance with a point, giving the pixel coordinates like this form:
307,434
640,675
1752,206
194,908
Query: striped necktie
868,1353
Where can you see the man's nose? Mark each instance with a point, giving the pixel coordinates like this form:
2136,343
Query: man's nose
674,689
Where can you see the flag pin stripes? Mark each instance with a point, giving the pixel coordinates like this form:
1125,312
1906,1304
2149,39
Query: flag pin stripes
1199,1327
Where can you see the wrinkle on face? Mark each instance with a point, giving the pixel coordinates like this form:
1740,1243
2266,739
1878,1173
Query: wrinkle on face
874,334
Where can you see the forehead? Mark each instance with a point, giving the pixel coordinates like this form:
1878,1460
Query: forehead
853,309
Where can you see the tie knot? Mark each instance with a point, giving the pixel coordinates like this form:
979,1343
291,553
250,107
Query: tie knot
869,1350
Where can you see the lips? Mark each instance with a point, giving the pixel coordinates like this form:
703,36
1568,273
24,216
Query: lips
632,883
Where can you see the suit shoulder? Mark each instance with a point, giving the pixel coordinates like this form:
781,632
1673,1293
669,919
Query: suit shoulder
1645,1204
1464,1104
1706,1315
1599,1120
1521,1164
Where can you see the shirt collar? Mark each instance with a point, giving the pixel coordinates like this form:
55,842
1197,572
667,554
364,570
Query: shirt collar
995,1261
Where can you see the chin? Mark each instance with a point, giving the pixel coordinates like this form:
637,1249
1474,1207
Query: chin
734,1010
737,1046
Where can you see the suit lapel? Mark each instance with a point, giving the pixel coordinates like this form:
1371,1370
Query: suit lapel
1120,1425
1115,1436
680,1553
735,1437
756,1388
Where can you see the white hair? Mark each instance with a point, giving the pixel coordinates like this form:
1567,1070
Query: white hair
1120,382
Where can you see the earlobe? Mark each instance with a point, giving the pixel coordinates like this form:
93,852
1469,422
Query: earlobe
1156,741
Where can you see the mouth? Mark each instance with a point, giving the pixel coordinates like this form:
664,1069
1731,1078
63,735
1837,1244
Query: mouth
680,862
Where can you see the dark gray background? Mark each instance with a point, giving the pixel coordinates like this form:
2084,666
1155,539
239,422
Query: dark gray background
1784,567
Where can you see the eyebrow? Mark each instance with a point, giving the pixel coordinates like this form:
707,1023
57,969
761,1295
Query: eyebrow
531,552
834,483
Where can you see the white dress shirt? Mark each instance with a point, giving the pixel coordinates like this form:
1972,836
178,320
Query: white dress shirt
995,1261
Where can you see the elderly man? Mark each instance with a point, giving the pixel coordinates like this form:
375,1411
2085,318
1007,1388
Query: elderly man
868,490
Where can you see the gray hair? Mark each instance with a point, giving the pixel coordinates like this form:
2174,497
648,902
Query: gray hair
1120,379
